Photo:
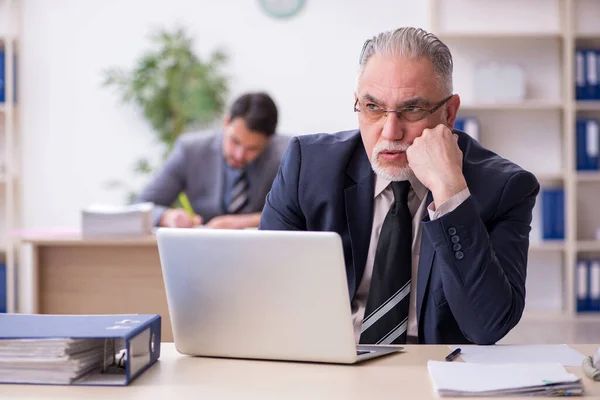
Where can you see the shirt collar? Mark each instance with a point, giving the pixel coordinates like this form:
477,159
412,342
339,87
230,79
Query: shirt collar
420,190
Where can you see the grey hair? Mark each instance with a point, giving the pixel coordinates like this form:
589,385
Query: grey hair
412,43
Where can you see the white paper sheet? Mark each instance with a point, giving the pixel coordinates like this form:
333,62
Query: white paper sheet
467,379
517,354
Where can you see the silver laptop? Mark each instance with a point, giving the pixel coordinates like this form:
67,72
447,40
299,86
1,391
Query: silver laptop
260,294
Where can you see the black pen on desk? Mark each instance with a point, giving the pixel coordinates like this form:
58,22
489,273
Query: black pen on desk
453,355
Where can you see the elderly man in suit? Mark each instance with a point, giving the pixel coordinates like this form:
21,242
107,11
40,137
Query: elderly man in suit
225,175
435,228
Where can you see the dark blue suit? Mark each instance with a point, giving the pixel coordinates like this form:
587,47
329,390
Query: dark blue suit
475,294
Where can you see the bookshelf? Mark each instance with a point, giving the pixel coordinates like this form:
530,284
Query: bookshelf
542,40
9,214
524,106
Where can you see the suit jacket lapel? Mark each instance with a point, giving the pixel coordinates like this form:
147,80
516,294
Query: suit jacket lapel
425,262
359,210
215,173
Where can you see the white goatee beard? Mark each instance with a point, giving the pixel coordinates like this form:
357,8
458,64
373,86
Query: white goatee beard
390,173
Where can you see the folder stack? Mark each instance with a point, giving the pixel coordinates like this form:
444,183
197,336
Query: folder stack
77,349
106,220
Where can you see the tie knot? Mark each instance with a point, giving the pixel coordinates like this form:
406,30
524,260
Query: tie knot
400,190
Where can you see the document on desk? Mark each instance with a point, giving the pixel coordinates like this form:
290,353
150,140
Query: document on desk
77,349
516,354
454,379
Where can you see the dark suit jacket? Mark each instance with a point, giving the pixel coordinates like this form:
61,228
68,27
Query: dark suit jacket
196,166
472,293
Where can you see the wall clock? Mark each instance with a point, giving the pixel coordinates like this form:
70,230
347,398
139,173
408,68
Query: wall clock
281,8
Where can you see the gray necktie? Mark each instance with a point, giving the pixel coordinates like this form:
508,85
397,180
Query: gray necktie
239,194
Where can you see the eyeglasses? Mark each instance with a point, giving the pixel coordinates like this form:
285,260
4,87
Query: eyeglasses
374,114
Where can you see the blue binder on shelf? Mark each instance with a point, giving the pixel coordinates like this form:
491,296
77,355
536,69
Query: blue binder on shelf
580,76
2,77
553,213
594,285
468,125
592,84
102,350
3,291
582,282
587,132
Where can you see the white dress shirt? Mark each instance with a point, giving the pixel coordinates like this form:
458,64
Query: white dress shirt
383,199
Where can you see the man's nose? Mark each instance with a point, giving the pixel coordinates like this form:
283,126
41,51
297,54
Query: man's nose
239,153
393,128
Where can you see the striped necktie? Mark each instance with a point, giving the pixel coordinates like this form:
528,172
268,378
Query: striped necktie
239,194
386,313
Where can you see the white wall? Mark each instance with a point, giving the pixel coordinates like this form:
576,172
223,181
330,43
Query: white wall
76,135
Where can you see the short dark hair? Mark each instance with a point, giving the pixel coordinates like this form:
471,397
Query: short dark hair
258,110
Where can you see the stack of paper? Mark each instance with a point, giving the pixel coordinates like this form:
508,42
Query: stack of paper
77,349
107,220
49,361
455,379
521,353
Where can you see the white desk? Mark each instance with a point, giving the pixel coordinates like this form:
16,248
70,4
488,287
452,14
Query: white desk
399,376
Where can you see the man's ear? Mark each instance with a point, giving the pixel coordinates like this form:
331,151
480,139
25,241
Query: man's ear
226,120
452,107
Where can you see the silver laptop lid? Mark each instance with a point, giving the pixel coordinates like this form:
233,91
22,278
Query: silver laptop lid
258,294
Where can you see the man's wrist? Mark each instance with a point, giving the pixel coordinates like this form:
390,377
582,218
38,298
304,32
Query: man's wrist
446,190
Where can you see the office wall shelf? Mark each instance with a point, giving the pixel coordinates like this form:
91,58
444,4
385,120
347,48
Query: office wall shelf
550,177
587,106
588,246
524,106
9,204
584,36
549,245
539,133
499,35
588,176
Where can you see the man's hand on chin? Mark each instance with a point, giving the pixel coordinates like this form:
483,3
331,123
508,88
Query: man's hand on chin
436,161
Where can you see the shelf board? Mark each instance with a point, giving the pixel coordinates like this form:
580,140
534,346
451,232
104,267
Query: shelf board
499,35
523,106
588,176
589,105
545,177
587,35
588,245
586,316
547,245
2,108
533,315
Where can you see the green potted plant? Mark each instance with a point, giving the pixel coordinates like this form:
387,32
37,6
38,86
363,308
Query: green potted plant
176,90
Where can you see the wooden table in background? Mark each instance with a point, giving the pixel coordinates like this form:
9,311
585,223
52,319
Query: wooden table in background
74,275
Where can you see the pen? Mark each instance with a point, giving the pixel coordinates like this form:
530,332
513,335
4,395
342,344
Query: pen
185,203
453,355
